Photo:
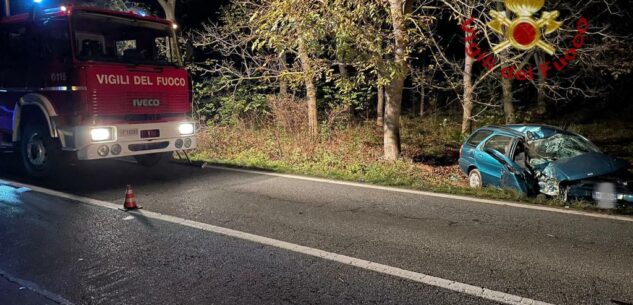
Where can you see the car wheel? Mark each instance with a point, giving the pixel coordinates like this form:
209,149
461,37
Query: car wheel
149,160
41,155
474,179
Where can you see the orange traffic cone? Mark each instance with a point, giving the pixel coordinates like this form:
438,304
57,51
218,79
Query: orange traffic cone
130,200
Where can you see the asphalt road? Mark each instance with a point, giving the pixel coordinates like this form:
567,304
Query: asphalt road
85,254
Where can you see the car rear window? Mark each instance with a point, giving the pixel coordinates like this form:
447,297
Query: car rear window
501,144
478,137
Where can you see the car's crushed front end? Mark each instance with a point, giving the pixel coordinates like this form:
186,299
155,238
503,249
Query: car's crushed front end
606,188
568,165
614,186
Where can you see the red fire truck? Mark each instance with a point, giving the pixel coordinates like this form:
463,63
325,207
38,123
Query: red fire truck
91,84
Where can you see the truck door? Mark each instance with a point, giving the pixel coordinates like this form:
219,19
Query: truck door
5,107
13,60
53,53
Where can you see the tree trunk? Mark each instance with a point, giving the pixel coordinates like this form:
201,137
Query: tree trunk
468,105
380,119
422,98
7,8
283,82
342,68
393,107
169,7
541,98
506,84
392,120
308,76
540,87
508,106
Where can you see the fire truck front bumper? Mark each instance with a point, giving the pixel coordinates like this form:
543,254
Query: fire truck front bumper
104,142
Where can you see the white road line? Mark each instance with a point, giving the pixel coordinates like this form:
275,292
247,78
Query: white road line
467,289
430,194
35,288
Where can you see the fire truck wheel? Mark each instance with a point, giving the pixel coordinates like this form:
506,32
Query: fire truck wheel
41,154
149,160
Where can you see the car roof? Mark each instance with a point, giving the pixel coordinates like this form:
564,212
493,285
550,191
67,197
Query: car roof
503,129
520,130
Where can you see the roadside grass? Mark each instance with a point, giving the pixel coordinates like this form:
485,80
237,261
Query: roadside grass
352,152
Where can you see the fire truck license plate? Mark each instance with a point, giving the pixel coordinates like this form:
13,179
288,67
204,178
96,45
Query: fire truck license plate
150,134
128,132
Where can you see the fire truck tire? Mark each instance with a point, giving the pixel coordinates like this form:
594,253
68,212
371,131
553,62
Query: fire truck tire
150,160
41,155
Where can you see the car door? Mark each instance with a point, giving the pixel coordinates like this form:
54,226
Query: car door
489,166
467,154
513,175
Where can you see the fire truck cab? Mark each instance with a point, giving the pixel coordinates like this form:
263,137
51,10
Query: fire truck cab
91,84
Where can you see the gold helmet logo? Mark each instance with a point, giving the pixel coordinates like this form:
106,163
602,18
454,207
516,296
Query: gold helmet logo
524,32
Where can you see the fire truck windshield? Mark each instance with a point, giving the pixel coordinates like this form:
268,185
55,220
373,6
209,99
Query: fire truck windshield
101,37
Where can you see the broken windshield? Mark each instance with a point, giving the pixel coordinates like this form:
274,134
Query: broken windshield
109,38
561,146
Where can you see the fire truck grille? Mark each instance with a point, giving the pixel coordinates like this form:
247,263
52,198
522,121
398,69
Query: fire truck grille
110,102
143,117
148,146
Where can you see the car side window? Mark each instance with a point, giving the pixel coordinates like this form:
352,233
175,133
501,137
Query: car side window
501,144
478,137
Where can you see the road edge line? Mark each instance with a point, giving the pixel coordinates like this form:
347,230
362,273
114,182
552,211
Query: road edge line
426,193
35,289
462,288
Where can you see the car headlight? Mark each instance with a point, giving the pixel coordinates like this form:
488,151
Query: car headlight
102,134
186,129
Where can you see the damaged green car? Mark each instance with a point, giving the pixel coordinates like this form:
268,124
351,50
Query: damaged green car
535,159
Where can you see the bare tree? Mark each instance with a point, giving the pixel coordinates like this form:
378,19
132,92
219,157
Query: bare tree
424,80
599,58
471,16
506,83
169,7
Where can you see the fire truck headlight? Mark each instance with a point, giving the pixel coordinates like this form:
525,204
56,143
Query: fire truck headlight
186,129
102,134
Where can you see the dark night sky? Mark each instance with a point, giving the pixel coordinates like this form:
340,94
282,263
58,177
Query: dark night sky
194,12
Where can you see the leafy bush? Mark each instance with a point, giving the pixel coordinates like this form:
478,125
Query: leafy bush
216,105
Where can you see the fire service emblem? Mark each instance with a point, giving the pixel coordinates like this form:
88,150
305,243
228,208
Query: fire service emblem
524,32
